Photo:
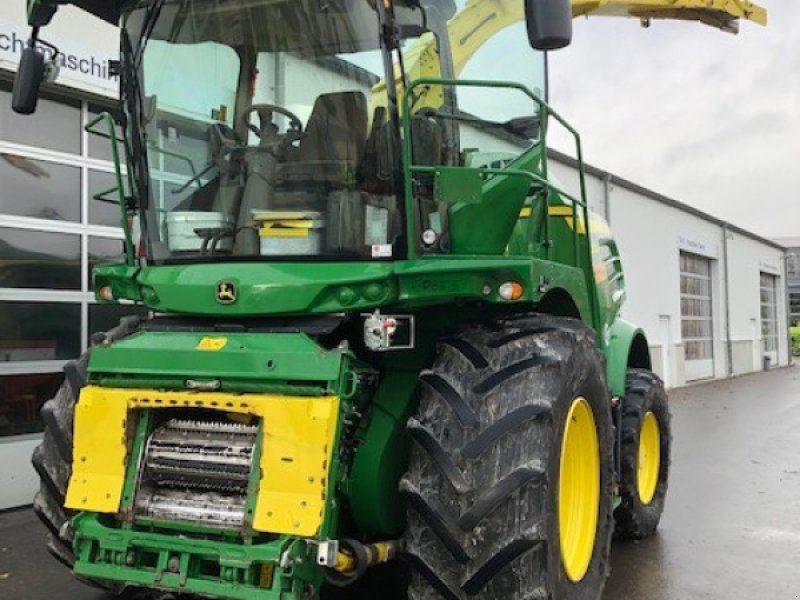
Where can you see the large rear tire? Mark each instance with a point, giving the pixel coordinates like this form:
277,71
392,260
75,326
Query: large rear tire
52,459
499,506
645,455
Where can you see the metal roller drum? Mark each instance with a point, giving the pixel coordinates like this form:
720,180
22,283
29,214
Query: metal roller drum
197,471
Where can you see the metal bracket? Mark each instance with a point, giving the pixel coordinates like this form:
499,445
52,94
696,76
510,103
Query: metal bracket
327,553
383,333
203,386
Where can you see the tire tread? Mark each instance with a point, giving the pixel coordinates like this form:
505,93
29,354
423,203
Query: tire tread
470,529
644,391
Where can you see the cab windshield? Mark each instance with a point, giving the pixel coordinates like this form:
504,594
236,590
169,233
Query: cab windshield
271,129
263,128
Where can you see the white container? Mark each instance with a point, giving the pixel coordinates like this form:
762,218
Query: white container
284,233
181,226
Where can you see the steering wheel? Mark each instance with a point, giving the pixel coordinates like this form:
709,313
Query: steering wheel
265,112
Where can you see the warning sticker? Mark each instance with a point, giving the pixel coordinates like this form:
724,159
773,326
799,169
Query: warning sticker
381,251
212,344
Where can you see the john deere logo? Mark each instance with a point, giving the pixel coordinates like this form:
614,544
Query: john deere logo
226,292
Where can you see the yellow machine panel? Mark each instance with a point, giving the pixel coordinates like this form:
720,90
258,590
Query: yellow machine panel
99,454
481,20
716,13
298,437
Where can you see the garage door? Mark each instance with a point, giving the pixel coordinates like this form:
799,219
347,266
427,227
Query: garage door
769,316
697,320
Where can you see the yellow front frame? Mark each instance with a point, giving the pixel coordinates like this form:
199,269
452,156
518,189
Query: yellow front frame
297,448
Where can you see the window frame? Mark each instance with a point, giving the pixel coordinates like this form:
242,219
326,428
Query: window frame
697,368
83,296
769,326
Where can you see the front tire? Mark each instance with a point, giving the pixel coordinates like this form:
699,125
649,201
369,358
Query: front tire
645,455
52,459
506,415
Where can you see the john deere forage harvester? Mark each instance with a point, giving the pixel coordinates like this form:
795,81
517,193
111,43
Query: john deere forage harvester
378,331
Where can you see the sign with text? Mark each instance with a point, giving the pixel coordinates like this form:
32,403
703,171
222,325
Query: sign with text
696,246
771,268
81,67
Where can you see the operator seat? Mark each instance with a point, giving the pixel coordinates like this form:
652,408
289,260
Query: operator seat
380,160
332,145
287,178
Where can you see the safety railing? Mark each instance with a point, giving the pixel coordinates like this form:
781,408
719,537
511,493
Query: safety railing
545,112
119,187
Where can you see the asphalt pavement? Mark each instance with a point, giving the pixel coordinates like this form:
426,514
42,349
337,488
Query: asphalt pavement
731,529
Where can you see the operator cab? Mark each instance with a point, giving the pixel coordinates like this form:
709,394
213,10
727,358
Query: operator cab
263,133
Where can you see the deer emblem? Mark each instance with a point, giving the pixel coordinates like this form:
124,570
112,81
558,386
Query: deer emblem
226,292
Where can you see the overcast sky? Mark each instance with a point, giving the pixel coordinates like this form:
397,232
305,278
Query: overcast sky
707,118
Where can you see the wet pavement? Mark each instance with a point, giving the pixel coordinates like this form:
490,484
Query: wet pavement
731,529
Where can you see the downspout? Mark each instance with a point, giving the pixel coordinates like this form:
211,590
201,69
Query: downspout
726,284
607,196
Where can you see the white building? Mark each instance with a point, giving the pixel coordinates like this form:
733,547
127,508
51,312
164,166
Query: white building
709,295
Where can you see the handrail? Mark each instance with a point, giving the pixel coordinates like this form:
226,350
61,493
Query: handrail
120,187
546,111
173,154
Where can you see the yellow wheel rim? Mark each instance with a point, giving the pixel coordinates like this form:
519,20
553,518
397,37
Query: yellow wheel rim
649,458
578,490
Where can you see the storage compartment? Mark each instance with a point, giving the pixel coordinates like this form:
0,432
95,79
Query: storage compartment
183,228
289,233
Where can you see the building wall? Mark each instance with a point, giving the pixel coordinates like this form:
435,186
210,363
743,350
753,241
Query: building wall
793,278
566,176
88,43
51,231
651,253
748,259
18,481
651,233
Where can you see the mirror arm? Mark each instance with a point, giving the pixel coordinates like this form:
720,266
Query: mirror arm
40,12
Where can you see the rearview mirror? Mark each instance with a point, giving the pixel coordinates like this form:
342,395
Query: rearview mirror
549,23
28,81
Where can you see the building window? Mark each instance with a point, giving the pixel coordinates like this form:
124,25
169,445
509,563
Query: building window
769,314
48,245
21,399
57,125
697,320
794,307
103,212
793,265
103,250
39,189
39,331
36,259
99,146
793,279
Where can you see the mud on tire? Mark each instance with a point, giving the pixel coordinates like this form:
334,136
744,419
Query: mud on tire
52,459
482,486
644,393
